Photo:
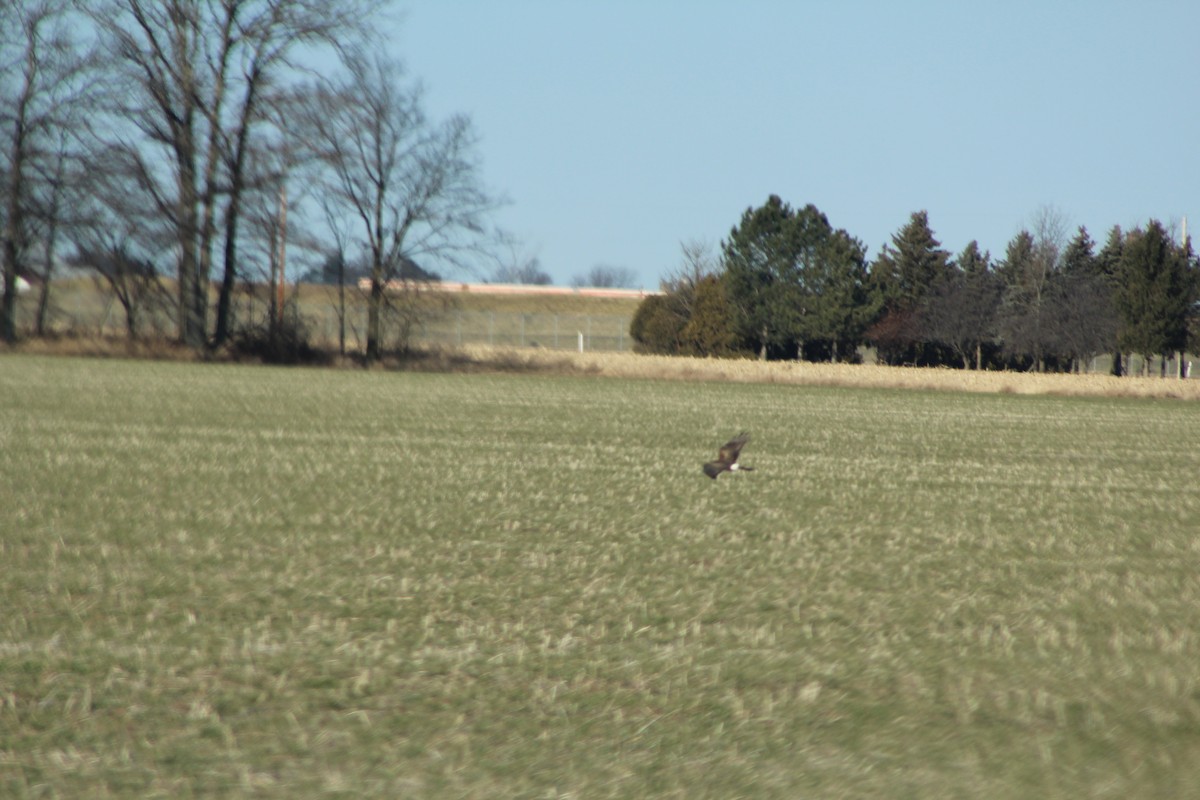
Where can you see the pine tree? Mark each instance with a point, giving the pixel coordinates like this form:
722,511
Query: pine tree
1156,291
760,261
1108,260
842,304
903,276
1083,319
1079,258
1025,273
792,280
913,264
1108,264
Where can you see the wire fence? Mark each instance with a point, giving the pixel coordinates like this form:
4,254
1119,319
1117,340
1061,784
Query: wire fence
582,332
456,327
81,309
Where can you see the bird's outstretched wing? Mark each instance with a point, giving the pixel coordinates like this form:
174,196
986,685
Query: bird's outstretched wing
727,456
733,448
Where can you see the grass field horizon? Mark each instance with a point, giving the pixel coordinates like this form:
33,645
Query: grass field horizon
243,581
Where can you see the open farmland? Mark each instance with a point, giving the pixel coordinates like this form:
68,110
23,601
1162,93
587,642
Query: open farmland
246,581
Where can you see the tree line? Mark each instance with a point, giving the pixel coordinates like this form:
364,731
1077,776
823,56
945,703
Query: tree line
197,140
786,284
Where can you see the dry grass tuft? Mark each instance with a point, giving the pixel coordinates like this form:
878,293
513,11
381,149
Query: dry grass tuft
629,365
483,359
103,346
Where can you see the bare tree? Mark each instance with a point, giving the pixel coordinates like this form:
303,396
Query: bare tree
698,261
1029,271
52,195
188,76
521,267
132,280
960,310
271,31
604,276
42,80
1084,322
527,272
411,185
118,235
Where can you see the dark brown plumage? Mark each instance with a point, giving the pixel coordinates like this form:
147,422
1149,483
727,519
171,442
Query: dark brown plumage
727,457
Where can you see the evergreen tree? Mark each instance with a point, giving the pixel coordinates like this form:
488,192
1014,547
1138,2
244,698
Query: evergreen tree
1024,324
914,263
708,331
791,279
903,276
842,303
1108,260
1156,292
1079,258
973,263
1082,320
760,260
1108,264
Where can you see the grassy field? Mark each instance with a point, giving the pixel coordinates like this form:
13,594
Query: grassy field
240,581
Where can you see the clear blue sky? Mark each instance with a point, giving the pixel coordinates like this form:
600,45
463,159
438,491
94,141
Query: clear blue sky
618,129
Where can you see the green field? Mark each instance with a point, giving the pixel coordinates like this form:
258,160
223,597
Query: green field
244,581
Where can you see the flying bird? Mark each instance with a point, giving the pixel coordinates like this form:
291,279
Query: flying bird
727,457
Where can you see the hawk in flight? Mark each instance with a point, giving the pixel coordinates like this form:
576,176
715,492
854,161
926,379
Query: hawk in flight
727,457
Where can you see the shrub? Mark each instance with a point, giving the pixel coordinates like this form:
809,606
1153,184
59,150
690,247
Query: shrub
657,325
287,341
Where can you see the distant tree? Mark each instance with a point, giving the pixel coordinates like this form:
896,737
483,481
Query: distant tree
692,316
1079,258
55,197
1020,331
1108,265
761,260
43,82
697,262
709,330
528,272
132,280
794,284
410,186
604,276
903,275
1029,271
1083,321
186,81
1108,260
906,270
1157,290
960,311
842,304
